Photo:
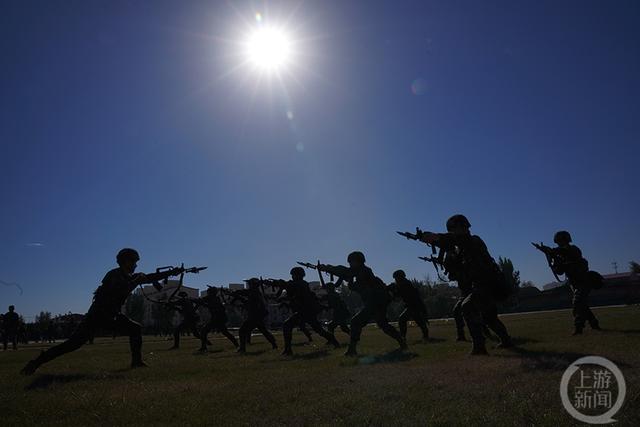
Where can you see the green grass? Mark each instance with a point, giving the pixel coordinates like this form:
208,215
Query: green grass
431,384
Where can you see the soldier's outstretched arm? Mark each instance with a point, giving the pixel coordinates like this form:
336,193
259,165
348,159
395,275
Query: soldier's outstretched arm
337,270
430,238
143,278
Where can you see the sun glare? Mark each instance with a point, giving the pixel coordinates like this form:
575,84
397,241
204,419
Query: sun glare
268,49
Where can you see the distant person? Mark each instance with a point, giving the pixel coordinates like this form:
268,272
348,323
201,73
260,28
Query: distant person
567,259
105,311
376,299
305,307
481,274
302,327
340,315
256,309
414,305
11,324
51,332
214,302
189,323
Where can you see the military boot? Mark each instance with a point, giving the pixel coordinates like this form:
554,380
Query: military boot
478,349
351,350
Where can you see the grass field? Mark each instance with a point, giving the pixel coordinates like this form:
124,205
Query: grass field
433,383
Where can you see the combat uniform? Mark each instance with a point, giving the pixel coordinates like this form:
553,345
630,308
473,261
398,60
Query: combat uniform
189,322
340,314
414,306
10,323
569,261
375,299
217,322
305,307
256,312
104,313
479,275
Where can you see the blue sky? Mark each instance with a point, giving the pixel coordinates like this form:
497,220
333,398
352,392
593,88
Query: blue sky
129,124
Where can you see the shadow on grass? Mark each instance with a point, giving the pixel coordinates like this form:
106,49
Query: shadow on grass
546,360
205,353
310,356
431,340
44,381
394,356
48,380
255,353
523,340
622,331
302,344
304,356
533,360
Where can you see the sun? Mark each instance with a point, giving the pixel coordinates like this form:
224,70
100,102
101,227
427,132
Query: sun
268,49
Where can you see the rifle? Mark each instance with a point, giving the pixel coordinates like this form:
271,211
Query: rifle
159,287
342,272
417,236
411,236
549,254
437,263
307,265
315,267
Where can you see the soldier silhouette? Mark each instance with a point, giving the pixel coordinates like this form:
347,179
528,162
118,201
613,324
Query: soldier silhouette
104,312
374,295
414,305
11,324
214,302
480,275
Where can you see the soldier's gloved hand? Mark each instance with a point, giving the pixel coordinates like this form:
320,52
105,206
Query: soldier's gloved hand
428,237
140,277
176,271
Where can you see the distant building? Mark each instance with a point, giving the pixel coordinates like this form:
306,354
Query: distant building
618,289
552,285
236,286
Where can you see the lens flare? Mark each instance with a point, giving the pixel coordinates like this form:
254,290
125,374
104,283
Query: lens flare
268,48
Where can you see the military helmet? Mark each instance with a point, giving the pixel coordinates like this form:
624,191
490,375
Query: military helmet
297,271
127,254
562,236
458,220
399,274
356,256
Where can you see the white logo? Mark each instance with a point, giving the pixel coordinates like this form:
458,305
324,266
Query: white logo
593,391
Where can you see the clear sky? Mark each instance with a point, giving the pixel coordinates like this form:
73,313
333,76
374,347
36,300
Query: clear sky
132,124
